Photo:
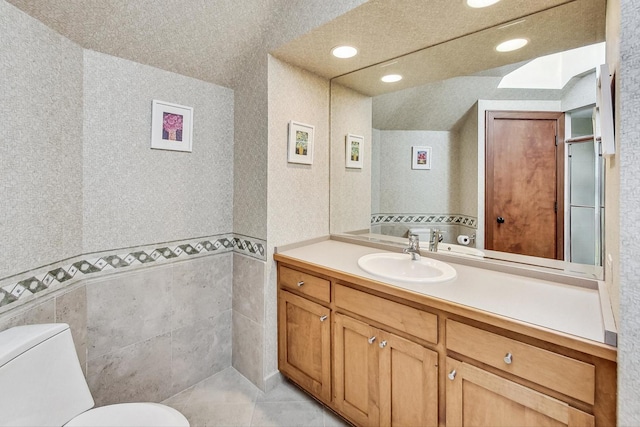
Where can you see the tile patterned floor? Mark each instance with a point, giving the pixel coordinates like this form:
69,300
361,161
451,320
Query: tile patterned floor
229,399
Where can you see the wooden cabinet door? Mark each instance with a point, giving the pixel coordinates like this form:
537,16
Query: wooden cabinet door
476,397
408,383
304,343
356,364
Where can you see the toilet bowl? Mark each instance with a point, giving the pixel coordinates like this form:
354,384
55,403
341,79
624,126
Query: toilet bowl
42,384
130,414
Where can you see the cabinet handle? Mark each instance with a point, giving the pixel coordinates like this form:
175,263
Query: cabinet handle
452,375
383,344
323,318
371,340
508,358
300,283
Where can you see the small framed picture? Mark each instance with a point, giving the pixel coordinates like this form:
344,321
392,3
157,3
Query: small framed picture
420,157
354,151
300,146
171,126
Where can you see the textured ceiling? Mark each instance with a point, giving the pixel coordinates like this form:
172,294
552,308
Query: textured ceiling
570,25
212,40
384,29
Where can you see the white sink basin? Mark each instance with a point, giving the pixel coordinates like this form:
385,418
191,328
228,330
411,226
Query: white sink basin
401,267
459,250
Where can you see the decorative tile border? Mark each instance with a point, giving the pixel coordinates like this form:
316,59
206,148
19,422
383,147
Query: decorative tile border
250,246
382,219
80,267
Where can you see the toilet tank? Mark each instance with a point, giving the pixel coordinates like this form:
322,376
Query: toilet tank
424,234
41,382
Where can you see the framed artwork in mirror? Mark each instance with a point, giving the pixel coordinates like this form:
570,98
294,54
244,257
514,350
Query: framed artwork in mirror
300,144
354,151
171,126
420,157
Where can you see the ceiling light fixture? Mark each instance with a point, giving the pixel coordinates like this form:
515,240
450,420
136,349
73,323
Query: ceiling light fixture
391,78
476,4
510,45
344,52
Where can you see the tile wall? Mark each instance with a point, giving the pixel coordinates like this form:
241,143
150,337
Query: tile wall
145,333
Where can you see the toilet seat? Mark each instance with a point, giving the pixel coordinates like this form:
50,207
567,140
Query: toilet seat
130,414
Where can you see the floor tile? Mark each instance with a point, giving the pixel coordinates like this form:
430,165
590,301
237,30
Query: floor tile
300,414
333,420
229,399
284,392
219,414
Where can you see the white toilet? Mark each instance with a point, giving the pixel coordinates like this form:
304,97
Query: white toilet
41,384
424,234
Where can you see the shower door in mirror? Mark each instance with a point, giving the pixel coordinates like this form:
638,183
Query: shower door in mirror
524,178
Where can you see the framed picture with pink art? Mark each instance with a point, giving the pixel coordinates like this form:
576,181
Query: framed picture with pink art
171,126
420,157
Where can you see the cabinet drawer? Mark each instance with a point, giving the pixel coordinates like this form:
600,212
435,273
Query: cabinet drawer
398,316
555,371
307,284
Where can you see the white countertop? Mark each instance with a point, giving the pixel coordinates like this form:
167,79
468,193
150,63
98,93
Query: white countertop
565,308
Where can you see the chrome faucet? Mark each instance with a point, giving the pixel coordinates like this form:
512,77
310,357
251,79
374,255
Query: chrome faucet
436,237
414,247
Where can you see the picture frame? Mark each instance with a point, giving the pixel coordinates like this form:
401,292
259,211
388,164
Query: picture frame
354,151
171,126
300,143
420,157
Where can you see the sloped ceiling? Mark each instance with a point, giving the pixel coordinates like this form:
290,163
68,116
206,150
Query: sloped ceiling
214,39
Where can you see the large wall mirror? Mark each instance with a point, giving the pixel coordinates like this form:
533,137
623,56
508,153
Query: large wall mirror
442,107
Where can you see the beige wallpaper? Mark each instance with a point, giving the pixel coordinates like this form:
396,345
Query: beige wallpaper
350,188
41,149
134,195
467,165
298,196
250,150
375,170
404,190
285,21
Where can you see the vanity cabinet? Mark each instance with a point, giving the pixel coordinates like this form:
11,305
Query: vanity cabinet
554,371
379,355
304,330
476,397
381,378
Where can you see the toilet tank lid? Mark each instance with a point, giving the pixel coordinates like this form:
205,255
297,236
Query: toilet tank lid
17,340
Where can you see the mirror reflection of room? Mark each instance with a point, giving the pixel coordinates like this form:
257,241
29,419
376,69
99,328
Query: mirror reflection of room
444,100
449,116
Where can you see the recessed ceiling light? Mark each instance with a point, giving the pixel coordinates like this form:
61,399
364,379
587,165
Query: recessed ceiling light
391,78
344,51
513,44
481,3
